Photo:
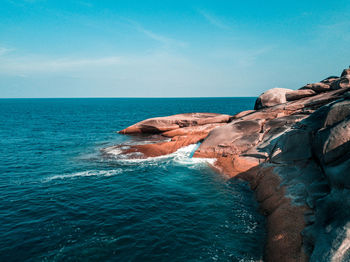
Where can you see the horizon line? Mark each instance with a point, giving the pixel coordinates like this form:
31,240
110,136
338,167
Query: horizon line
128,97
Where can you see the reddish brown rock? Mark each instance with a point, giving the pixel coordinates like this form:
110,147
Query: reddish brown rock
318,87
163,148
297,94
233,165
242,114
284,220
163,124
183,129
192,130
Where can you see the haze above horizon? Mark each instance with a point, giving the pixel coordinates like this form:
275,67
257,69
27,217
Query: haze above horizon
168,48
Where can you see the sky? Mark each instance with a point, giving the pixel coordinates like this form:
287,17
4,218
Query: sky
179,48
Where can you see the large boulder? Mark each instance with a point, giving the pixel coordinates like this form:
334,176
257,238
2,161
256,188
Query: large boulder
333,143
272,97
337,112
288,147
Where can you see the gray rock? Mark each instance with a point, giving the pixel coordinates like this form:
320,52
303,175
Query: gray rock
337,112
330,79
343,82
332,143
345,72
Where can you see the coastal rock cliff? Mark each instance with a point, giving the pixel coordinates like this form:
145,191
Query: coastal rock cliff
293,148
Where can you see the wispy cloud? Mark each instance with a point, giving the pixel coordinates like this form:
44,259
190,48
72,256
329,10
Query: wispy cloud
214,20
4,50
166,41
36,64
242,57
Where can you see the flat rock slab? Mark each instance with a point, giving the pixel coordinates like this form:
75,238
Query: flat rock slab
167,123
298,94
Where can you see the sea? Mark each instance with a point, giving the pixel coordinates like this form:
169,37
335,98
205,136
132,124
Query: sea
63,199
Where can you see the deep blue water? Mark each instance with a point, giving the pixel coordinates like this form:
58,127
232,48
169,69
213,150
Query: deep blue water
61,199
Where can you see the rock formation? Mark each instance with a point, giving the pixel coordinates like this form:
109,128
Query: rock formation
294,149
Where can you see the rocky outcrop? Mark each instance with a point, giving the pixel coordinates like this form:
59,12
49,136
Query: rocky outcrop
182,130
294,149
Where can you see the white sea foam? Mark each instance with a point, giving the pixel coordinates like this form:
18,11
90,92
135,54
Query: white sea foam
182,156
86,174
114,151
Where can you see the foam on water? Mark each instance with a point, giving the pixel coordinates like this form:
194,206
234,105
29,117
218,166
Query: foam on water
86,174
182,156
114,151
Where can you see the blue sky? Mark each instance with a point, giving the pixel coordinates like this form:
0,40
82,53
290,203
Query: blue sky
85,48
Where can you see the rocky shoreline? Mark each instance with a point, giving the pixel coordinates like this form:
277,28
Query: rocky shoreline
293,148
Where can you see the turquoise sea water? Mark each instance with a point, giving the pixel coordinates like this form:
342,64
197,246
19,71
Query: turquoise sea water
62,199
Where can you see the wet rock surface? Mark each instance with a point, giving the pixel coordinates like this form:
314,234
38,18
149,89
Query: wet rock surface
294,149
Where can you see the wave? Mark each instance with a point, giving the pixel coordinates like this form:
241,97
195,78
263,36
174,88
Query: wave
85,174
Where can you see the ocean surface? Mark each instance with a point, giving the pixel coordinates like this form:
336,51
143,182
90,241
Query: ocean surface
62,199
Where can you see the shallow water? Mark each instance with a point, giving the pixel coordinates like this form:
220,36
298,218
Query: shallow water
62,199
